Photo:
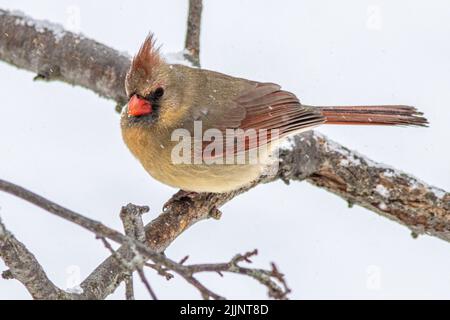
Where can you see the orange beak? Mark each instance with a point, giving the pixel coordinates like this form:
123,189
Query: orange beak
138,106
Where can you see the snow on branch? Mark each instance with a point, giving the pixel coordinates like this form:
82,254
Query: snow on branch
55,54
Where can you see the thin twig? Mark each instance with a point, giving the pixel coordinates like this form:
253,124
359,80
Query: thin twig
130,267
92,225
146,283
194,21
267,278
129,287
160,270
139,252
131,216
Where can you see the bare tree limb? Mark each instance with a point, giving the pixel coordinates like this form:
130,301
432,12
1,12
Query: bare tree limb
387,191
130,266
131,216
160,270
55,54
194,21
311,156
146,284
94,226
265,277
129,288
133,258
140,252
24,267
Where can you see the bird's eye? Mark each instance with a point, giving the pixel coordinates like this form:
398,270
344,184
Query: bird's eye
158,93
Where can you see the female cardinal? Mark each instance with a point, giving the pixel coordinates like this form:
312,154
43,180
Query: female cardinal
164,98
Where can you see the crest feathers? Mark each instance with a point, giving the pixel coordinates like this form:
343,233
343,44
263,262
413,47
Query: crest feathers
148,56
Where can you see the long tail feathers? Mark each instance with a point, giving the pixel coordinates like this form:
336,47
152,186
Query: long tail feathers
390,115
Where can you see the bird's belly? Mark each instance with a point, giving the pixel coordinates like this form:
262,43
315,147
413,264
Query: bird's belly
212,177
157,161
205,178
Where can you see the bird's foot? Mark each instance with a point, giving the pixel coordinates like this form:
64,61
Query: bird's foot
178,197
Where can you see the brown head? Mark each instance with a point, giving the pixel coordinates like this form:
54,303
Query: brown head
155,89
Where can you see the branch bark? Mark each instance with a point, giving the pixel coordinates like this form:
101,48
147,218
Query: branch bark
55,54
192,42
389,192
324,163
33,276
24,267
64,56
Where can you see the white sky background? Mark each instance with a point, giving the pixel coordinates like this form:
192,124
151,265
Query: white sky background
64,143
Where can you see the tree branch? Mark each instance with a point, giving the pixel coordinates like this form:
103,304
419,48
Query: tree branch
387,191
192,42
55,54
132,259
131,216
265,277
322,162
24,267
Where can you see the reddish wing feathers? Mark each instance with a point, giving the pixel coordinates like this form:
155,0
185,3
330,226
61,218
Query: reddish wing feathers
266,106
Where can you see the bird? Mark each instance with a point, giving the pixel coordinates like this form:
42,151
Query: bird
165,98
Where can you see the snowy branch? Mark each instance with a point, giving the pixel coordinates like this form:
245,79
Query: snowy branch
55,54
322,162
387,191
